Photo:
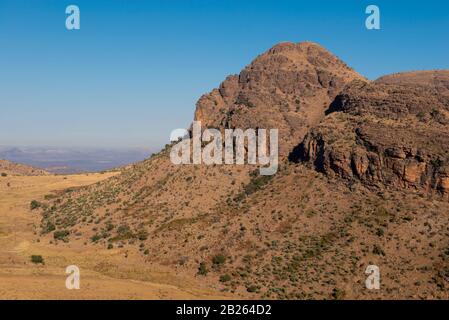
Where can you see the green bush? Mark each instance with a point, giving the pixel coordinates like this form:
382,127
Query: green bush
124,232
4,174
225,278
35,205
37,259
252,288
219,259
48,227
61,235
256,183
202,269
95,237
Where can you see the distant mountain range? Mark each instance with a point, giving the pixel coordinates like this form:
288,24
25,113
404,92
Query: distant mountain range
12,168
73,160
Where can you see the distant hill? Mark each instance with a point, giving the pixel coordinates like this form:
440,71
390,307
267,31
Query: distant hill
73,160
12,168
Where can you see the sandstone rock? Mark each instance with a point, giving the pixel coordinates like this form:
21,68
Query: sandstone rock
288,87
378,136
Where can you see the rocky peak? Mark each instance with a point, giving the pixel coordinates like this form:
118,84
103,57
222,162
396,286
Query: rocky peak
288,87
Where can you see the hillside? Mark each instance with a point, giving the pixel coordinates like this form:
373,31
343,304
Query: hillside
12,168
363,180
436,79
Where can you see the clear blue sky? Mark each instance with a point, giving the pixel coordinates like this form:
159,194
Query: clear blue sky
136,68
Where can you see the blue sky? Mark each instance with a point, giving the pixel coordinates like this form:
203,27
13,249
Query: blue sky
135,69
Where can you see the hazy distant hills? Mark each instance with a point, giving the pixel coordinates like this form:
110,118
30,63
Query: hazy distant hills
18,169
73,160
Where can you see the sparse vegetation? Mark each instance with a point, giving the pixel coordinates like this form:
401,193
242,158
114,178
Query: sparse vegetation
37,259
35,205
225,278
61,235
219,259
202,269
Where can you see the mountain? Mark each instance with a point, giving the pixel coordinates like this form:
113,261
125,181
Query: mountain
362,181
12,168
288,87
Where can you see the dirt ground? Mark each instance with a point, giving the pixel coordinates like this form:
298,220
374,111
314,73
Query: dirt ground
104,274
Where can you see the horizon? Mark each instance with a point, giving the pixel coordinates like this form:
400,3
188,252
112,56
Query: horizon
134,70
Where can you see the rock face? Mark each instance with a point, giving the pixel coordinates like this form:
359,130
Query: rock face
289,87
386,135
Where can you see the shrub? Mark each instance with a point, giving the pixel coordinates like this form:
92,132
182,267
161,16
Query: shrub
202,269
37,259
142,235
421,115
35,205
219,259
4,174
256,183
48,227
95,237
225,278
338,294
61,235
380,232
124,232
378,250
252,288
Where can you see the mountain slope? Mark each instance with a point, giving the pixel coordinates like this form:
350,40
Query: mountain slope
312,229
13,168
436,79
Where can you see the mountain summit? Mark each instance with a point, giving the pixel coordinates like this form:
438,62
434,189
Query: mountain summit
288,87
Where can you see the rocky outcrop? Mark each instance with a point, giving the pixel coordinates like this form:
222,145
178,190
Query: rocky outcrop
289,87
384,135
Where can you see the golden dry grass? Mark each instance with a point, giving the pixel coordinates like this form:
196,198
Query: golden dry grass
105,274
